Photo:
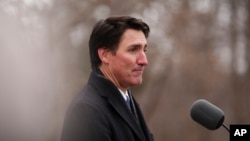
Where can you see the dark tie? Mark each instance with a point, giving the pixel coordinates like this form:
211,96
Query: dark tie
128,103
131,109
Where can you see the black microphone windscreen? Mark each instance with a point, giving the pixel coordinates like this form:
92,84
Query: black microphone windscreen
207,114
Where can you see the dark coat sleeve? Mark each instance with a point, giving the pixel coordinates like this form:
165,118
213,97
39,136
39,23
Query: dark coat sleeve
85,123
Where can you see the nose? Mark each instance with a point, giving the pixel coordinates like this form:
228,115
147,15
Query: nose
142,59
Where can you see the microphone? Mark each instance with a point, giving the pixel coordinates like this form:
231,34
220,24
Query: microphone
207,114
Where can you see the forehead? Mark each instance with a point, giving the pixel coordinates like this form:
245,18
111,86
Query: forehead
132,36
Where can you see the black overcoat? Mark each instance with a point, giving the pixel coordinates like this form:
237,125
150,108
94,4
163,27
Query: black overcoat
99,113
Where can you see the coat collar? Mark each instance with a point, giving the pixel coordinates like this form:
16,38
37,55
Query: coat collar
107,89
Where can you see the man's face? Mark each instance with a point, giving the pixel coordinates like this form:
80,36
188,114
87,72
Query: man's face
127,64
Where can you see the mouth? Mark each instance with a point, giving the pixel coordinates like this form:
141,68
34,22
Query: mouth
138,70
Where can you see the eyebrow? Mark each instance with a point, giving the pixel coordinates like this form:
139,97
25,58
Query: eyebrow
139,45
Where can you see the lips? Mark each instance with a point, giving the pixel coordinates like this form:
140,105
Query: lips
138,70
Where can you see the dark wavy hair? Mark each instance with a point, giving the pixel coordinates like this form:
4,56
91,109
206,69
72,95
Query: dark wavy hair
107,34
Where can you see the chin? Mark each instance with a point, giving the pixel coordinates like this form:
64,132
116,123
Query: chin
138,82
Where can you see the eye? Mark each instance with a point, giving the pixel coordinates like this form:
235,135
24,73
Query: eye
133,49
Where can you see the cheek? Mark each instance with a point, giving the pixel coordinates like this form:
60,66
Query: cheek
122,66
127,63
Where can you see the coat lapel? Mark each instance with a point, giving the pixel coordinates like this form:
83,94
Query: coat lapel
108,89
127,116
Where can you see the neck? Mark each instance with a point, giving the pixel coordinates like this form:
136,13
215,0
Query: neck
110,76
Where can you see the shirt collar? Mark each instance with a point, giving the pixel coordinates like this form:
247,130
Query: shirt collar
124,94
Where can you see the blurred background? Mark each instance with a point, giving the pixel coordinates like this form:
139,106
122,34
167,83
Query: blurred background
197,49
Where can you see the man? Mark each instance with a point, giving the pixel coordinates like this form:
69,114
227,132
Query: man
105,109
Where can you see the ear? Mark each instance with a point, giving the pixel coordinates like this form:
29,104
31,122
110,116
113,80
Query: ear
103,55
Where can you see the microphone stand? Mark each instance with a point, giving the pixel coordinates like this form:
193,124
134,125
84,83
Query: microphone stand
226,127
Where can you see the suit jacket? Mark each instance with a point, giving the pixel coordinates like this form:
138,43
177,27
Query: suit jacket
99,113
